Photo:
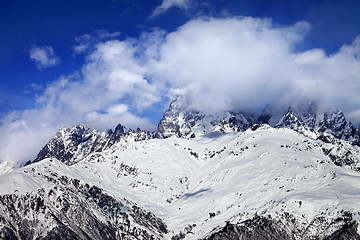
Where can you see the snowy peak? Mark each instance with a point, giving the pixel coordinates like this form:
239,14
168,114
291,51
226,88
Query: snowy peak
72,144
335,123
235,122
178,122
312,122
181,122
290,120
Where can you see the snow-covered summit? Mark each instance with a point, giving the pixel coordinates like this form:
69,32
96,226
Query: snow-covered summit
182,122
315,123
309,120
71,144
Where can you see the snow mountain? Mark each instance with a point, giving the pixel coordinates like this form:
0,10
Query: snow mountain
72,144
181,122
199,176
309,121
312,121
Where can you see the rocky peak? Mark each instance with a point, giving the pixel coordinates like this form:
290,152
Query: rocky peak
296,121
115,135
290,120
235,122
335,123
178,121
311,120
181,122
308,120
72,144
309,116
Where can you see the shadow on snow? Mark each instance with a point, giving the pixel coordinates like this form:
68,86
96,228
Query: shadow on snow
195,194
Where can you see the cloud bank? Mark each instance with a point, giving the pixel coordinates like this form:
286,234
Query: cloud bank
43,56
238,64
245,63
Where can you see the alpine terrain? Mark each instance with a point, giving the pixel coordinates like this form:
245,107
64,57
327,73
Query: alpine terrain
229,175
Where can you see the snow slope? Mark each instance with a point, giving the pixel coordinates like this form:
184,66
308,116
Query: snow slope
195,188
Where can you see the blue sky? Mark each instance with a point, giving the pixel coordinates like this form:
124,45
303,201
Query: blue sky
57,23
101,62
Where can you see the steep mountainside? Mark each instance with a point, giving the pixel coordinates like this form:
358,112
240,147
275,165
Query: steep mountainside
309,121
47,201
180,122
72,144
223,176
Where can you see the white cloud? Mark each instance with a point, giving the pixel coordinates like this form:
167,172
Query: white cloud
109,90
166,4
43,56
87,42
245,63
215,64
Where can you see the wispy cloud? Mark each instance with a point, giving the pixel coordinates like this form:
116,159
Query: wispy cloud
222,64
34,87
43,56
166,4
87,42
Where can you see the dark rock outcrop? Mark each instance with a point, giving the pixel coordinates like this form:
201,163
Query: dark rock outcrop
73,210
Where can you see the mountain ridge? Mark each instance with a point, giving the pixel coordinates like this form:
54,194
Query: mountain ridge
222,176
74,143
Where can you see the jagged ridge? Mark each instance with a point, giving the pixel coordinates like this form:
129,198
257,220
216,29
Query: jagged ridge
173,172
70,145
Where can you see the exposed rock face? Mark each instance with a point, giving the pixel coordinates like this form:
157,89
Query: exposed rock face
73,210
177,121
265,228
258,228
180,122
347,232
310,121
72,144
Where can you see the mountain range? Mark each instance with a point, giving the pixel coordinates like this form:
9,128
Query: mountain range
227,175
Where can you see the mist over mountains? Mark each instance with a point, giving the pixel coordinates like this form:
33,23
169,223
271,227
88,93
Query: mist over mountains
181,122
215,64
